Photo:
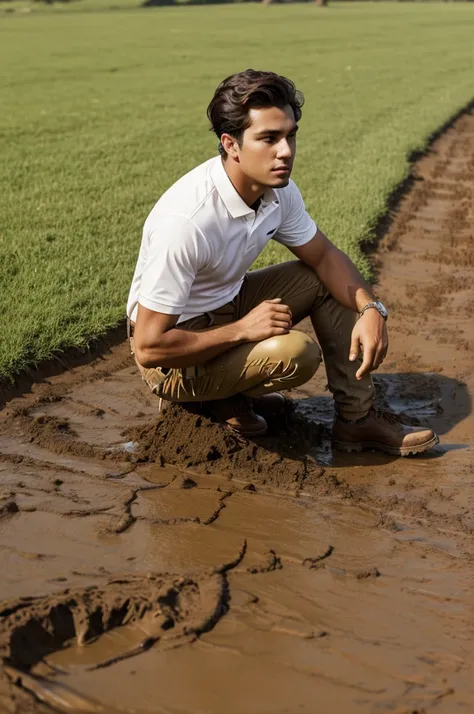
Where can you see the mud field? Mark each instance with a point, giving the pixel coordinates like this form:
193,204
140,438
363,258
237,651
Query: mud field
165,566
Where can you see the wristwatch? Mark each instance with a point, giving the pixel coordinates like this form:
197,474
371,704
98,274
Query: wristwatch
378,306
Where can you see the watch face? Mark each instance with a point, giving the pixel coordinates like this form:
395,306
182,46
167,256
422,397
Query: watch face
382,308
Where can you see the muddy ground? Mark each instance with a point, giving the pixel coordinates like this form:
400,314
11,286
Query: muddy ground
166,566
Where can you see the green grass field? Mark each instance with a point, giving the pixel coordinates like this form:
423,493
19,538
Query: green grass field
101,111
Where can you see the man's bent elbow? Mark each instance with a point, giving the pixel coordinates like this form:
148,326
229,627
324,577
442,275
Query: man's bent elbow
145,358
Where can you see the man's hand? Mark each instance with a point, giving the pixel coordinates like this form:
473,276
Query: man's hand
268,319
370,336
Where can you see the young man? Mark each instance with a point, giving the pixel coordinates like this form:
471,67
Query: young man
205,329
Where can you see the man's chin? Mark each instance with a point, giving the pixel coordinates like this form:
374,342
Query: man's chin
280,182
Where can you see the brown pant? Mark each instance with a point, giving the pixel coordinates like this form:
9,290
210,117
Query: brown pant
277,363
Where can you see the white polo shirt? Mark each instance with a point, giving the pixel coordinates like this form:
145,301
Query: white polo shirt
201,238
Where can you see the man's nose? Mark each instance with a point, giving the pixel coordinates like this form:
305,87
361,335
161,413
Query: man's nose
284,150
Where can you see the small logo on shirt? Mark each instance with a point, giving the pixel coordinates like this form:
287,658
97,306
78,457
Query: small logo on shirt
272,231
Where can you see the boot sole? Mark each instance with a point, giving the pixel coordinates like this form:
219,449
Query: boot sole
392,450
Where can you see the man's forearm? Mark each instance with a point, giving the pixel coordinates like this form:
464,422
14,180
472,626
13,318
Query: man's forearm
339,274
184,348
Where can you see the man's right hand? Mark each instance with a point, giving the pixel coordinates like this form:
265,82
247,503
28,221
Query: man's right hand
268,319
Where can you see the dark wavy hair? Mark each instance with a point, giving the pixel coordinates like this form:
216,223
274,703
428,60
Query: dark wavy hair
236,95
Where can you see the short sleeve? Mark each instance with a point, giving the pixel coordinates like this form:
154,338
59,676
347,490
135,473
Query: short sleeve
297,226
176,250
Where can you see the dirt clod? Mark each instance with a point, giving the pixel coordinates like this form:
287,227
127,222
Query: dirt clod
182,438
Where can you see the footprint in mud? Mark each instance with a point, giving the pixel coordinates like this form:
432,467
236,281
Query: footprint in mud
97,627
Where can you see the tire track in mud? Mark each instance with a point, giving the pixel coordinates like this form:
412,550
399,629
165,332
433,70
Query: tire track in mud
106,509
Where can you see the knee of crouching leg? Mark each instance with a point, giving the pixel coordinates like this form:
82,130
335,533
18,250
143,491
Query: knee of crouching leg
297,351
306,354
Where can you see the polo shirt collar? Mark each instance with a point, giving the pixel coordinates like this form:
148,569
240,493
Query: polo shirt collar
231,199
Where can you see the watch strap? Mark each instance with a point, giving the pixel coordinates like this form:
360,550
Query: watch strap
374,304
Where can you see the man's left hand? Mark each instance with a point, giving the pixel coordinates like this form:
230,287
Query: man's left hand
369,336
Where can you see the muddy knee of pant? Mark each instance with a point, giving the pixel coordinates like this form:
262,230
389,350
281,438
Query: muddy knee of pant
296,352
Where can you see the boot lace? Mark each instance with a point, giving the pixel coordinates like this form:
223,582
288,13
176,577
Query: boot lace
241,405
388,418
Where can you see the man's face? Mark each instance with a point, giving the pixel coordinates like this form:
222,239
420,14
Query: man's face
269,146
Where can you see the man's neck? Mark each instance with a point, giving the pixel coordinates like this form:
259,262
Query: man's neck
248,190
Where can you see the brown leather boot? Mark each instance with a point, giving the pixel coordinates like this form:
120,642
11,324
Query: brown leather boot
273,405
384,432
237,413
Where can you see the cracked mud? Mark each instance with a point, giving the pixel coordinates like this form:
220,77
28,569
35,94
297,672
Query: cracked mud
160,564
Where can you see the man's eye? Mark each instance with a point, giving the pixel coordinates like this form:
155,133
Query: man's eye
268,139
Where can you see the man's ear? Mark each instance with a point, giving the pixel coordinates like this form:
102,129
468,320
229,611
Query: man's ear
230,146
